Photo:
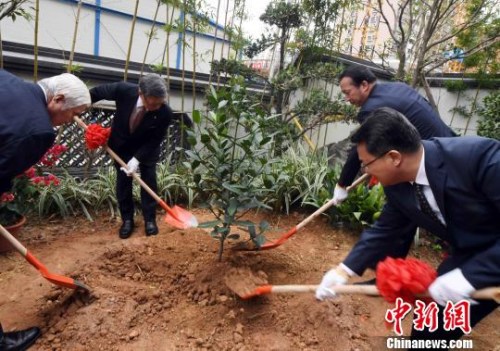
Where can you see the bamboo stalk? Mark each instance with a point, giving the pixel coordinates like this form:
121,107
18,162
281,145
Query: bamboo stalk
167,47
215,41
223,41
235,4
183,54
240,33
75,33
35,46
194,15
150,37
134,19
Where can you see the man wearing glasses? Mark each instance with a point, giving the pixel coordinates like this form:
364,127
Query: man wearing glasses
359,86
448,186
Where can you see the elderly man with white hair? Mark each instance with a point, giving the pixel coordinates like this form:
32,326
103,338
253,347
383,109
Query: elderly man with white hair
28,114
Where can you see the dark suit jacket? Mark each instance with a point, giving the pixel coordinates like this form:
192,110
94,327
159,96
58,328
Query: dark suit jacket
144,142
410,103
464,175
26,132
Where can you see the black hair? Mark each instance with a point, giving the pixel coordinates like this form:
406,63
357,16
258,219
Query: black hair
386,129
358,74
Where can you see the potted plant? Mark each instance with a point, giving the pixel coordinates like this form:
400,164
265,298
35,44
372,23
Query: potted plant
10,216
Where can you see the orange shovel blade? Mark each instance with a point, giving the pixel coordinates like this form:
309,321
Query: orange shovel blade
180,218
56,279
261,290
174,222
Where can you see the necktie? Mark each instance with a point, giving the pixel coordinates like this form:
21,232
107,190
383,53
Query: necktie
136,118
424,204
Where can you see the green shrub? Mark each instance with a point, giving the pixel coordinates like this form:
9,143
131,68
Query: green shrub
362,207
489,124
231,151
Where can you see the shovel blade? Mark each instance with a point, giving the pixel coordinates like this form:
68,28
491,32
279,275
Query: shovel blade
181,218
174,222
66,282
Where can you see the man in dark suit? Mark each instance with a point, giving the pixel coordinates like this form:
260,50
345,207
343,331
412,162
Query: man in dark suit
28,114
360,87
458,179
139,126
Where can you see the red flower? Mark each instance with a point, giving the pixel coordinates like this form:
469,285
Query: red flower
52,155
7,197
403,278
30,173
96,136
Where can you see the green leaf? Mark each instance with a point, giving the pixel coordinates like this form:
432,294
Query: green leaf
233,206
263,226
197,116
205,138
209,224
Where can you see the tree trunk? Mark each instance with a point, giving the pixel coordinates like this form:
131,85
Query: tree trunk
428,93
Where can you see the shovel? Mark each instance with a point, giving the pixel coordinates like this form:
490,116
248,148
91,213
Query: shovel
56,279
247,285
176,216
286,236
370,290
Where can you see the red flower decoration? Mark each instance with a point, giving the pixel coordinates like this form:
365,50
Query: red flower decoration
96,136
403,278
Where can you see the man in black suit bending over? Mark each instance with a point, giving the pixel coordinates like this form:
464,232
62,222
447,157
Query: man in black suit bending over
360,87
139,126
448,186
28,114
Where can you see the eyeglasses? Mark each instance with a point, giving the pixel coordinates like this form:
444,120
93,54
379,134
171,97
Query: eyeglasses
365,166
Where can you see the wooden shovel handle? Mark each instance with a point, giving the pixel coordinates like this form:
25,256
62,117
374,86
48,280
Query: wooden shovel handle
13,241
491,293
339,289
330,203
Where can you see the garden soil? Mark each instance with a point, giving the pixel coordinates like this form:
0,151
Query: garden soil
167,292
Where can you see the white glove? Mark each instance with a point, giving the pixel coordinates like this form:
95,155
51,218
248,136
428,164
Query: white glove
132,166
335,276
339,194
453,287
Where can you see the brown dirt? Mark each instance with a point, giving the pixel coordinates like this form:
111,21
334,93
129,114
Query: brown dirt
167,292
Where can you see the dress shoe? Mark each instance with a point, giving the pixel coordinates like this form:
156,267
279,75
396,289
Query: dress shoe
126,229
151,228
19,340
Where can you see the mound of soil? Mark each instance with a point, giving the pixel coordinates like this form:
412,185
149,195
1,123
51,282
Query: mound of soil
168,291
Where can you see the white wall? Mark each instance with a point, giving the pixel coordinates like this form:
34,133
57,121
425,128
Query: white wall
57,24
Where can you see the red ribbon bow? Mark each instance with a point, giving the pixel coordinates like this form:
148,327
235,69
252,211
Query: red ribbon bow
403,278
96,136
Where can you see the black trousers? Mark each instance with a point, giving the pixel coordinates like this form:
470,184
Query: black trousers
124,192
